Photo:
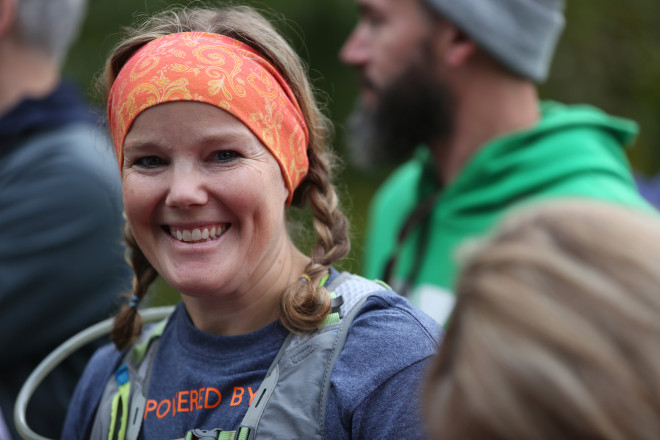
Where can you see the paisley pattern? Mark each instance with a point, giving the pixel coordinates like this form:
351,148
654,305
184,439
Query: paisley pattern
217,70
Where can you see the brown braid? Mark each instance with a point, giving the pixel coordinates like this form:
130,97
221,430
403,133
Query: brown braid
304,306
128,323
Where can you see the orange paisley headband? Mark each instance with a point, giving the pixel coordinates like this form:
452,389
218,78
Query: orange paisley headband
223,72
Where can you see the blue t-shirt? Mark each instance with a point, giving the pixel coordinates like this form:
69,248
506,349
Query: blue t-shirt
207,381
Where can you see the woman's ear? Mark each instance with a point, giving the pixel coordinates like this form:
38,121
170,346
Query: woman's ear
7,15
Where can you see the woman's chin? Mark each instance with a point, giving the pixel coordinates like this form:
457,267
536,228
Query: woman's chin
197,288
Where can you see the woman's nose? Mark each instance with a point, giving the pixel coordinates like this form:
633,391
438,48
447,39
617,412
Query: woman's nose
186,189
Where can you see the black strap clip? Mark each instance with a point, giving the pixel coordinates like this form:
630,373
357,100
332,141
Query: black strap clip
336,304
203,434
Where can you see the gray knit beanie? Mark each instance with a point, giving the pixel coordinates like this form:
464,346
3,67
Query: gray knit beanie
521,34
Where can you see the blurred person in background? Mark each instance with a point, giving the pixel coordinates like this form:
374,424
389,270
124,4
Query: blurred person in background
555,330
61,259
460,79
4,430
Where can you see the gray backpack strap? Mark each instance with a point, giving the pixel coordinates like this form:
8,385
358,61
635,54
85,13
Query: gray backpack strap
121,409
253,416
291,402
339,345
101,426
139,389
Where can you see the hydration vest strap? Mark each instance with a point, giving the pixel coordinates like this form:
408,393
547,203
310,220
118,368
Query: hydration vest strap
339,345
341,326
129,402
119,417
254,412
139,350
335,314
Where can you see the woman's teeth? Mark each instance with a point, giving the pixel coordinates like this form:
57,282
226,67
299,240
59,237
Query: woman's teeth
197,234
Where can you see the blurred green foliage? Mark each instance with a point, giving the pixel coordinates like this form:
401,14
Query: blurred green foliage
609,56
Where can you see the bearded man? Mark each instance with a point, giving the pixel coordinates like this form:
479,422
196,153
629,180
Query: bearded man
460,79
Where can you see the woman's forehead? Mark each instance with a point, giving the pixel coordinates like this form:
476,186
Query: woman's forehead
186,121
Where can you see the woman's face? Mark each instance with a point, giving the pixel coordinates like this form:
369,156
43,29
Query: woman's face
204,198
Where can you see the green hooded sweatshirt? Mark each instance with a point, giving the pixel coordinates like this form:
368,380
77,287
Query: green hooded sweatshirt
573,151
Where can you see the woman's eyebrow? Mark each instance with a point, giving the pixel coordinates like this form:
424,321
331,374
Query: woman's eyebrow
228,137
140,145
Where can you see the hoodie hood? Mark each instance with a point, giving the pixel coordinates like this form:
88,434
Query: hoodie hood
564,154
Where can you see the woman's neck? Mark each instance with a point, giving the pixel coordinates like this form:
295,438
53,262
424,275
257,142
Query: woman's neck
255,304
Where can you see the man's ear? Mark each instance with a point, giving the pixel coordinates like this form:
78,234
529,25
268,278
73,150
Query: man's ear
461,52
7,15
454,45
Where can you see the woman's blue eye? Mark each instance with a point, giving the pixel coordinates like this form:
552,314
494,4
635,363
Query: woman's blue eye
149,161
226,155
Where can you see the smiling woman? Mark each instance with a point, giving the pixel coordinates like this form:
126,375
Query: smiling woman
235,99
219,182
217,134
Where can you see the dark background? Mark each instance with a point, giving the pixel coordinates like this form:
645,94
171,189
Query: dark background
609,56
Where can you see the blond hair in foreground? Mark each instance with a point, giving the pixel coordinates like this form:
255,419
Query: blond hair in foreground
556,331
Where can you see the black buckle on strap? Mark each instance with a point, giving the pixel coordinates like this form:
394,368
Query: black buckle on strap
336,304
203,434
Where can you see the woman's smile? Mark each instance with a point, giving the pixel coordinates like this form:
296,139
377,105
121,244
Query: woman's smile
197,234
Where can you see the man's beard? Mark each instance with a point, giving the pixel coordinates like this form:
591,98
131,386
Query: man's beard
414,109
